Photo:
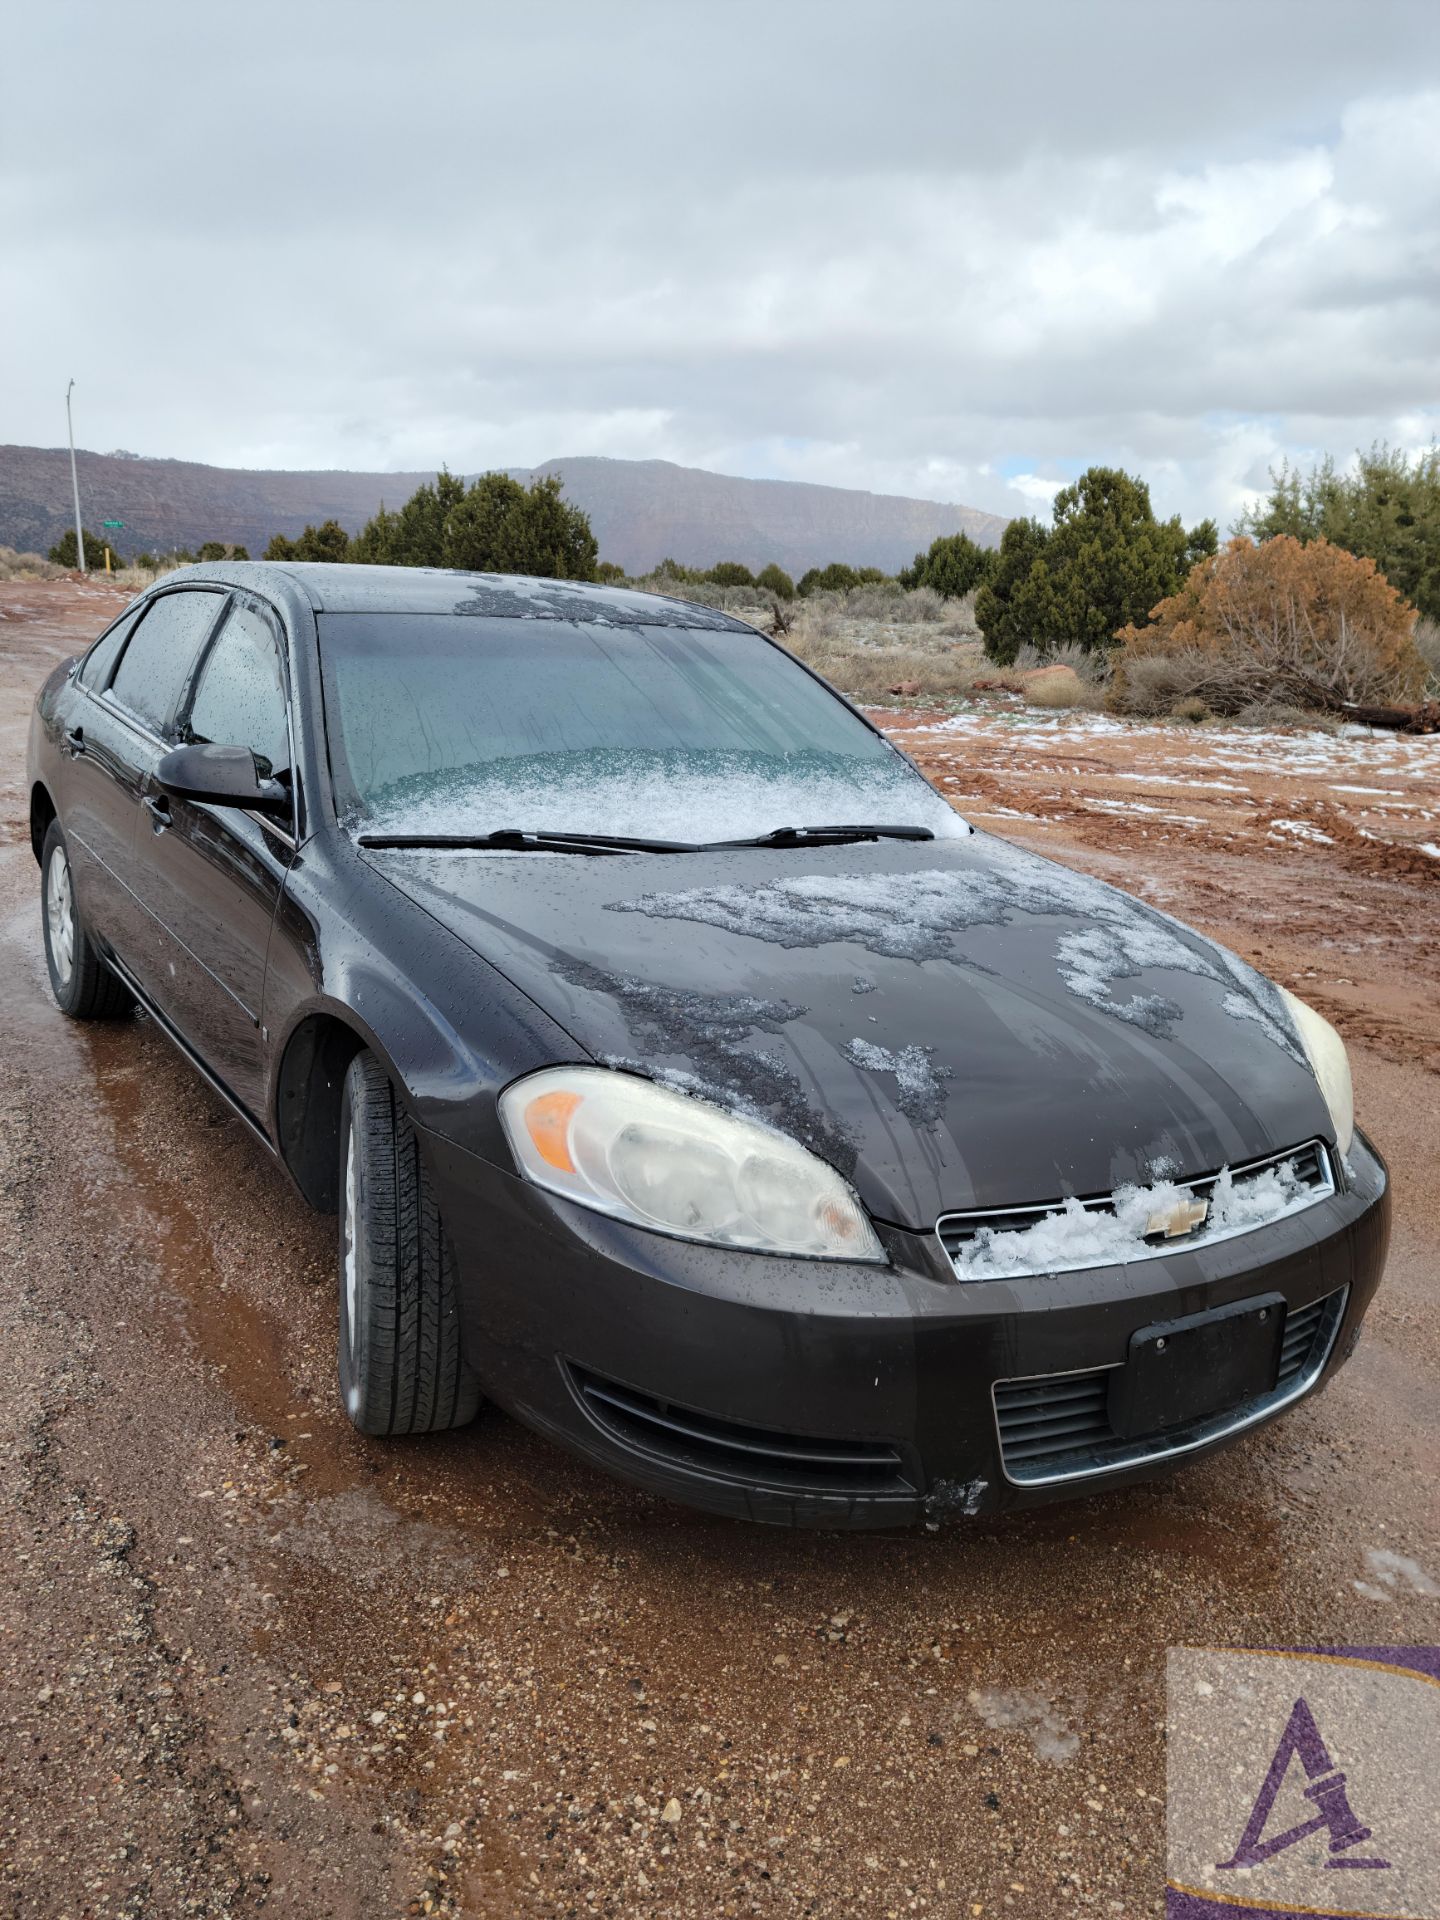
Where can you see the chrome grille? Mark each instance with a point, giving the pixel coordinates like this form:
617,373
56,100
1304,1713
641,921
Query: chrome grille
957,1231
1056,1426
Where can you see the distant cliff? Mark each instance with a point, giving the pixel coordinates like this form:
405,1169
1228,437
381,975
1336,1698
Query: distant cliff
642,510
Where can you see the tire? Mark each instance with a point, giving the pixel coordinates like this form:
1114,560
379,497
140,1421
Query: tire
83,985
401,1368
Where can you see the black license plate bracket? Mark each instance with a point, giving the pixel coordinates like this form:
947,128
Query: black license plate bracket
1182,1371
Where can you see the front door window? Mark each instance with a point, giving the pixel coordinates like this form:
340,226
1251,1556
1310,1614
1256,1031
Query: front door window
239,698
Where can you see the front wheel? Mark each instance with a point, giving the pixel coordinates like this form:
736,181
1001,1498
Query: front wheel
401,1367
83,986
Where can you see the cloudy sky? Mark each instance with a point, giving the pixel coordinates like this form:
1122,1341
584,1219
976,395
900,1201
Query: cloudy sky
947,250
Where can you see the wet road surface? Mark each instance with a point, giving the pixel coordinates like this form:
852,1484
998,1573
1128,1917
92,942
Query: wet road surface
252,1661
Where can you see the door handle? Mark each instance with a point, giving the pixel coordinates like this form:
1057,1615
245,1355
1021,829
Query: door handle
158,808
75,741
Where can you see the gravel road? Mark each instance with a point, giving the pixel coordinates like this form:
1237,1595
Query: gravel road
253,1662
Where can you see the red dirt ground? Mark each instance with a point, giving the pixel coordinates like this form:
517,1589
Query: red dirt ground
253,1662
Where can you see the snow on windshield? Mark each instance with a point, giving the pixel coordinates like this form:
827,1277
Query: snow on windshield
664,795
464,726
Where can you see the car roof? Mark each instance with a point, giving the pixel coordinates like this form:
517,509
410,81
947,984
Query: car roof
340,588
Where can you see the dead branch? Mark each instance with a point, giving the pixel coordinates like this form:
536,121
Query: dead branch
1422,719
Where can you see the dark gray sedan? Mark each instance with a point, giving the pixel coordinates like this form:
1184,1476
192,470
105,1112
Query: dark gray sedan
686,1075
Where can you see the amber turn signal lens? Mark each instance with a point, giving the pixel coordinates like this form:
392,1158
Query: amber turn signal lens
547,1121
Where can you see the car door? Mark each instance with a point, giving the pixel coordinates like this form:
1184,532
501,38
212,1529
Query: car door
98,785
211,876
125,692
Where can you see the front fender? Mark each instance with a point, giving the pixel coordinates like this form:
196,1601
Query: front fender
449,1028
42,752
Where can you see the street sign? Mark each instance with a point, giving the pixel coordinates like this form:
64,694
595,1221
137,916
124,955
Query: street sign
112,523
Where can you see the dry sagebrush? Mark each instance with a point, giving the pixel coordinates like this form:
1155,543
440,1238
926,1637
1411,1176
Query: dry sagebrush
27,566
1306,626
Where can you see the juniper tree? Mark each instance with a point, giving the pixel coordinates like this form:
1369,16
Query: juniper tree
1387,510
1104,564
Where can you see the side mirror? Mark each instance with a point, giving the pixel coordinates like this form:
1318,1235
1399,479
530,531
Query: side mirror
222,777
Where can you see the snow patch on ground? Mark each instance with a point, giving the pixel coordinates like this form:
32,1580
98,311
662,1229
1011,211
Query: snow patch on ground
1175,780
1027,722
1142,806
1395,1572
1004,1707
1352,750
1074,1237
1302,830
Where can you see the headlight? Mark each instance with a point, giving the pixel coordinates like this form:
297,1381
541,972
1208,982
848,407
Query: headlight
1325,1051
669,1161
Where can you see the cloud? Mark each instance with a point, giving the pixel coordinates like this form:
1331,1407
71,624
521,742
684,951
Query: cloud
928,251
1033,487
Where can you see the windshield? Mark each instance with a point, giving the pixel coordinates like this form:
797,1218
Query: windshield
450,725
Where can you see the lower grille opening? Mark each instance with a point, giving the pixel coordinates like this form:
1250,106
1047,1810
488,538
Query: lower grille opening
1043,1420
727,1449
1301,1328
1057,1426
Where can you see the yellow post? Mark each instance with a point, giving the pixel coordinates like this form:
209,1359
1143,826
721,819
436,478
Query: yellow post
107,560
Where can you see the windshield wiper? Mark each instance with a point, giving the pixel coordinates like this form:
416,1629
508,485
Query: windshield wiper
519,840
824,836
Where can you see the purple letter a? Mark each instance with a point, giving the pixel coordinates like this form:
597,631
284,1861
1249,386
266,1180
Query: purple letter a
1302,1738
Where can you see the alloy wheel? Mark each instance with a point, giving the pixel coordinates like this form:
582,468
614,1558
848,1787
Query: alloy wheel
60,917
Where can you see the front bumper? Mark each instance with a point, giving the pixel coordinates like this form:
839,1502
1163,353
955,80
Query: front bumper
816,1394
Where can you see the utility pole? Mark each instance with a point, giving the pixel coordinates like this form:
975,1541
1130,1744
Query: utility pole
74,481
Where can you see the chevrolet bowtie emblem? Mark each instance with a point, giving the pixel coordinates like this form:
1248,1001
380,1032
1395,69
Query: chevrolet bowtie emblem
1183,1217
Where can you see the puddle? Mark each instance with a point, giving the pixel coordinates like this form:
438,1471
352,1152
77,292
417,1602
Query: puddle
244,1342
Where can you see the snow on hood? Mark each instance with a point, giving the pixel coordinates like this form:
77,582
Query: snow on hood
919,1082
718,1033
951,1024
916,915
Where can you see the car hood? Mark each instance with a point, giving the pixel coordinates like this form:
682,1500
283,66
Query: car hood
952,1024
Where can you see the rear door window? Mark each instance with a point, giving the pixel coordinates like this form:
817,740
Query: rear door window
95,669
158,659
239,698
